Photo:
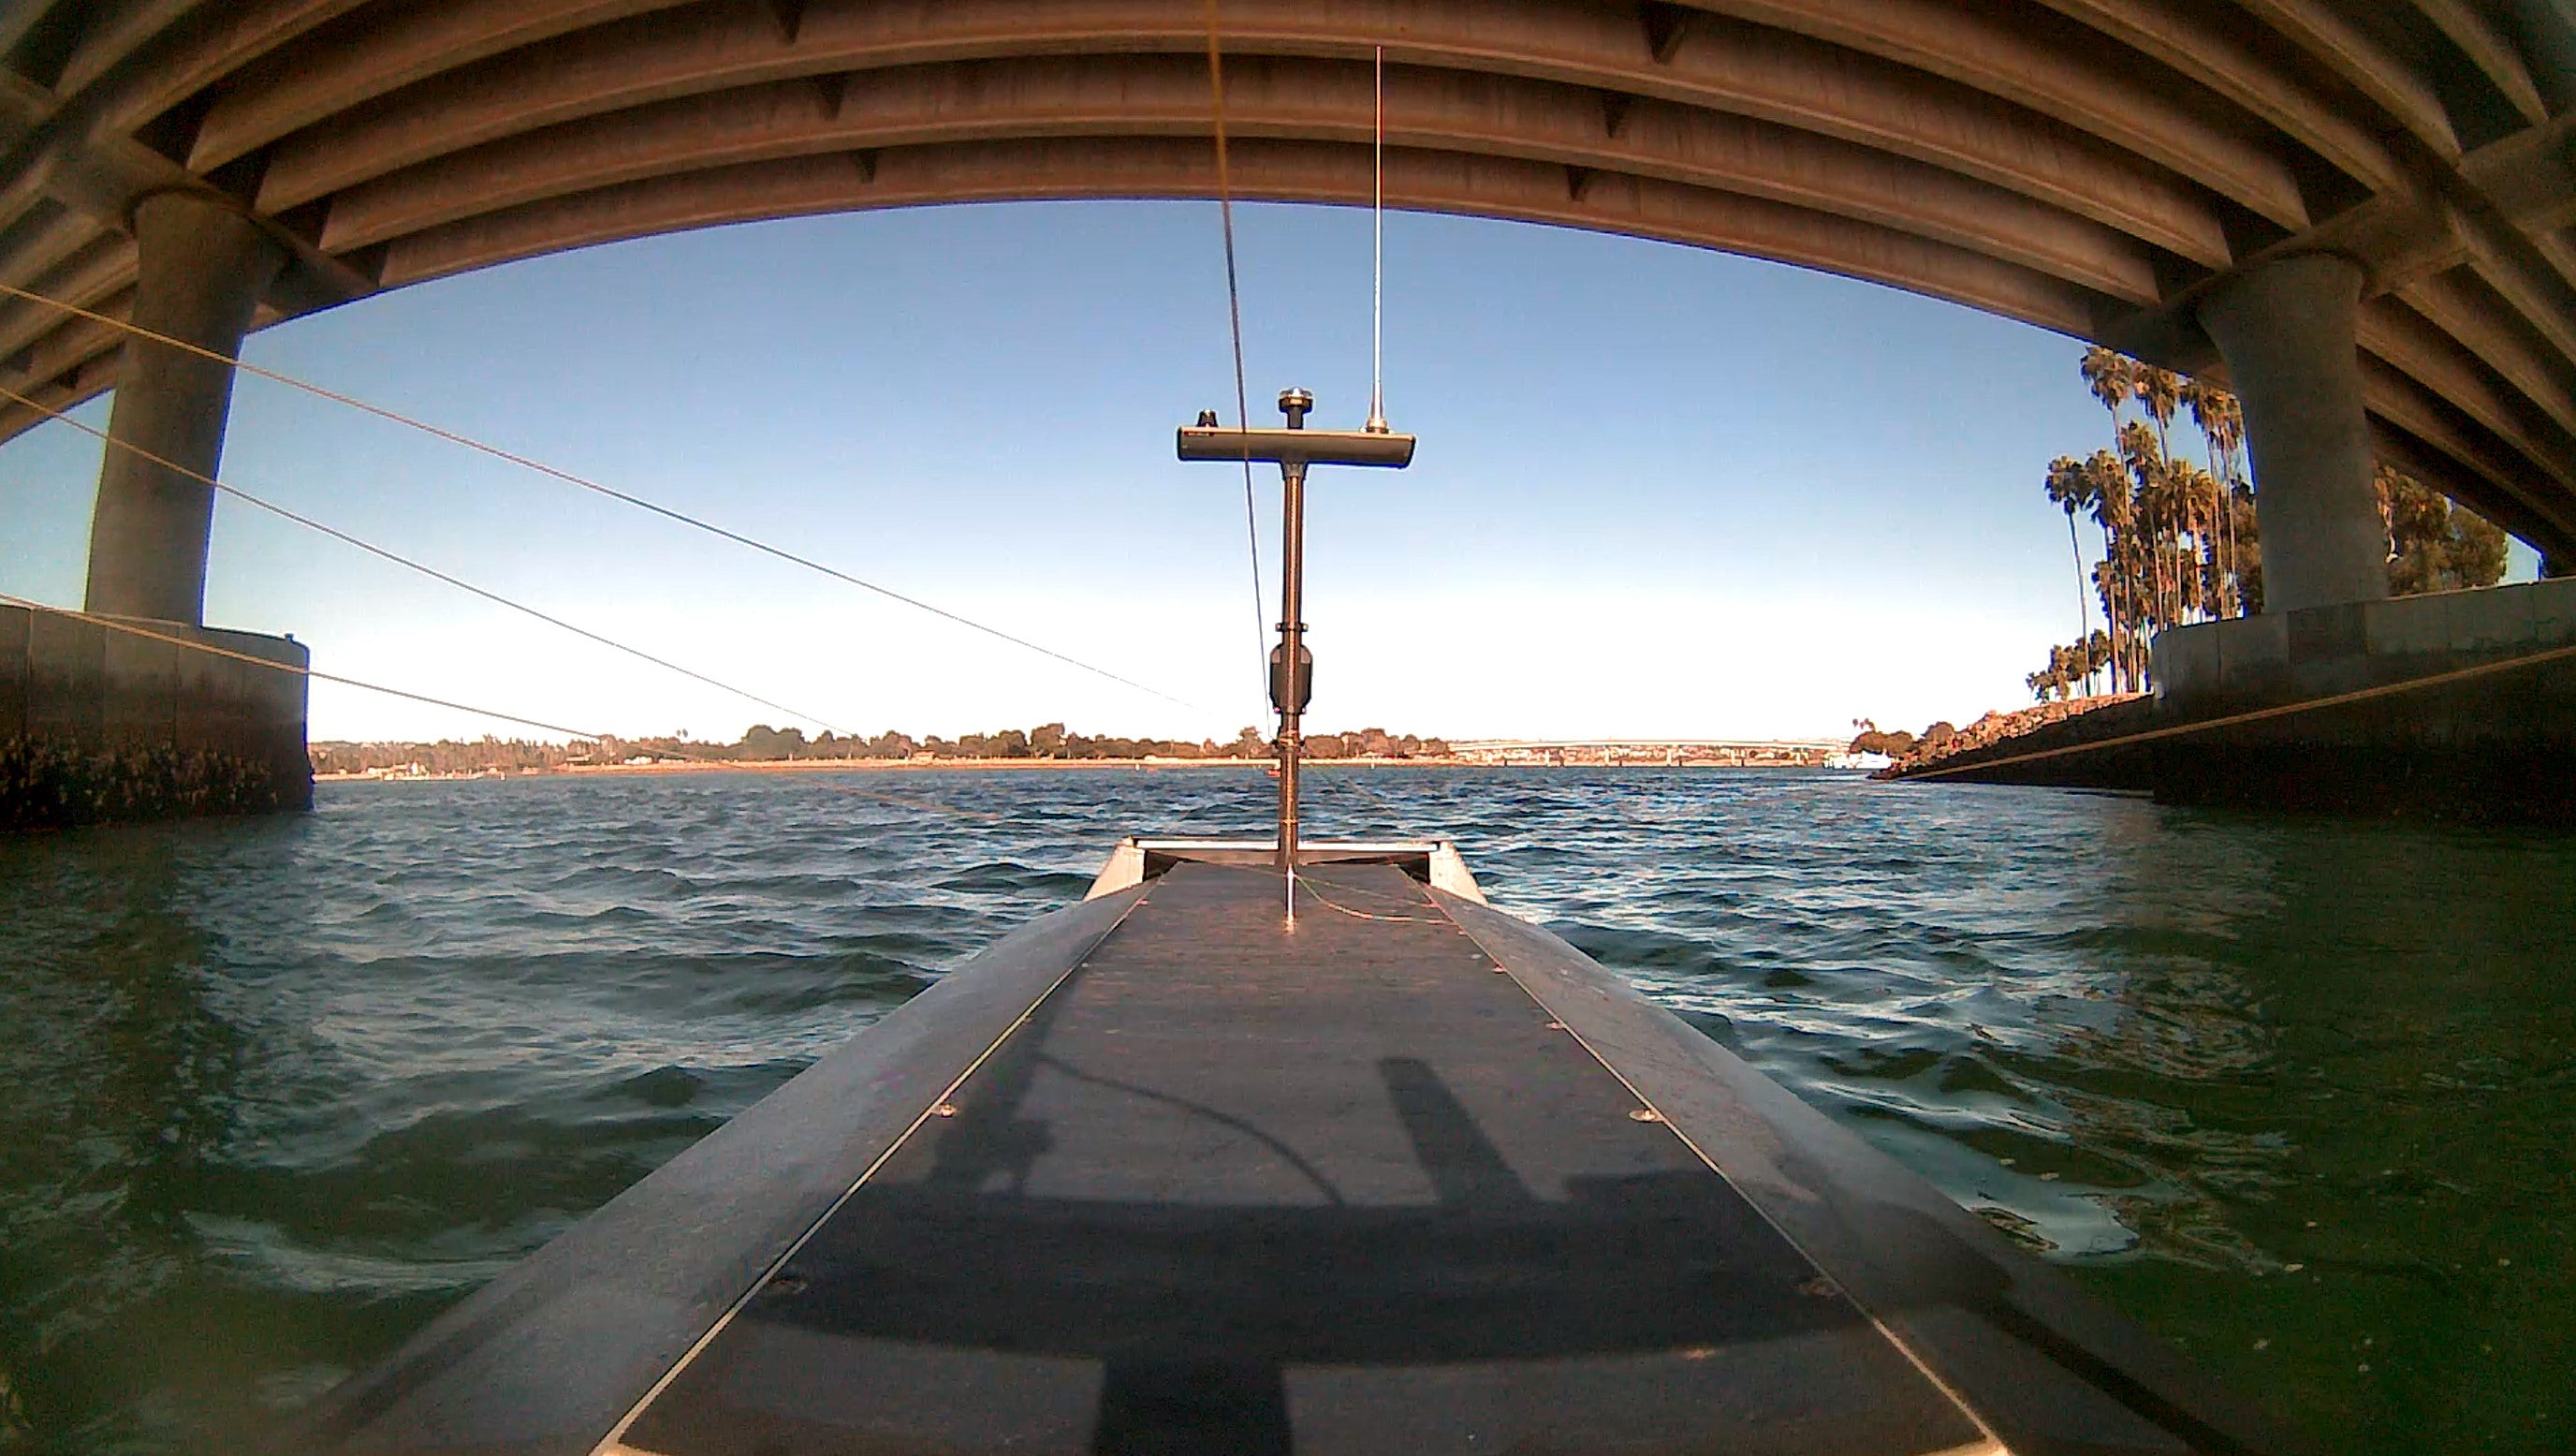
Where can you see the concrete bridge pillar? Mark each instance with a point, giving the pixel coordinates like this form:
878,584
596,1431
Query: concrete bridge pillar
200,267
2286,331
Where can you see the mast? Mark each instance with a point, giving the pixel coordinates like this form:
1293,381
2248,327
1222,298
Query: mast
1291,665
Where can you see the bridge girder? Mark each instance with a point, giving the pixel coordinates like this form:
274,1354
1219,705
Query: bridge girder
2096,167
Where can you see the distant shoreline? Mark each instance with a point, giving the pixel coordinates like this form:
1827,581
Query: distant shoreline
866,765
947,765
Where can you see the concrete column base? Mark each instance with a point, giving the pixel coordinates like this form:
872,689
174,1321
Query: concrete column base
87,688
2214,668
2497,746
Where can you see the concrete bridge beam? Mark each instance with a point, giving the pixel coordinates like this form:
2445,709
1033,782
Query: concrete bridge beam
200,270
2287,331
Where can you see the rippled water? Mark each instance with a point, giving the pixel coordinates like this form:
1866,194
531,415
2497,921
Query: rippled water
2297,1094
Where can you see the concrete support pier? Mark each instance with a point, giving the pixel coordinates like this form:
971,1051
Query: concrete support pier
200,270
2286,331
2456,705
125,714
93,709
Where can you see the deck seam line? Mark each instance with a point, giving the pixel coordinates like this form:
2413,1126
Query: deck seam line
1995,1443
614,1443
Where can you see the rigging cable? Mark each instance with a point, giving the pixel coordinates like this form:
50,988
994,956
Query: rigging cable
1351,777
431,572
568,478
131,629
116,625
1234,318
1330,904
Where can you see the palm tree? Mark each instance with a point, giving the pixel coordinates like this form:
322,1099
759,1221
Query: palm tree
2222,423
2113,378
2160,394
2201,502
2175,540
2114,511
2050,679
2097,655
2143,461
2115,645
2068,486
2231,428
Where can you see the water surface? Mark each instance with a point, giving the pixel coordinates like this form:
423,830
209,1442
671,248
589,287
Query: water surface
2297,1094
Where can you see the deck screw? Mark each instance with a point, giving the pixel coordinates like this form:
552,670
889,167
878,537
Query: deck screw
944,1110
1556,1026
1644,1114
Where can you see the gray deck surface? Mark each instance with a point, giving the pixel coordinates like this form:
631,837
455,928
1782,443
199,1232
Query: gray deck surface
1347,1189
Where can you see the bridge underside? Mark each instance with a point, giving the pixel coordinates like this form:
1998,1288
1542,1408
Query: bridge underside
2103,168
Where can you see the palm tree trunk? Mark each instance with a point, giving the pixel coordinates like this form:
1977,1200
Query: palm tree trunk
2128,602
2083,612
2165,564
2156,575
2235,553
2213,585
2110,590
2124,618
2231,592
2194,543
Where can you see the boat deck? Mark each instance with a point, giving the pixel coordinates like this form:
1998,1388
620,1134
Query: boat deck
1233,1188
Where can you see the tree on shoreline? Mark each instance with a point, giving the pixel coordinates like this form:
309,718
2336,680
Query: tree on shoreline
762,743
2071,489
2433,544
2183,545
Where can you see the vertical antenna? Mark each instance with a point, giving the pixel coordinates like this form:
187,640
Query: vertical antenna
1377,269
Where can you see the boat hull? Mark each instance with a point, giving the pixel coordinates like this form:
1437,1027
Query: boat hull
1159,1173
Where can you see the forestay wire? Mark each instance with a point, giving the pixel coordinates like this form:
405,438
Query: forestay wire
568,478
433,573
1234,318
132,629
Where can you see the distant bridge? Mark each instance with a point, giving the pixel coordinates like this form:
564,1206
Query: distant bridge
1649,750
1466,745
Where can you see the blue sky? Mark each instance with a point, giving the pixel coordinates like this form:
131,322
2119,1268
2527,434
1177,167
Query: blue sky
1660,491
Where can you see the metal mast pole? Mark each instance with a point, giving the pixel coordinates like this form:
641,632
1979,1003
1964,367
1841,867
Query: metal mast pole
1292,668
1290,678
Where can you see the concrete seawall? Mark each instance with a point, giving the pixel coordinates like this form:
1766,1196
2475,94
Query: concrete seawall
90,688
2482,733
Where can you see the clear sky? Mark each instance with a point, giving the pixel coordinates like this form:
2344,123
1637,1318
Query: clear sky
1660,491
